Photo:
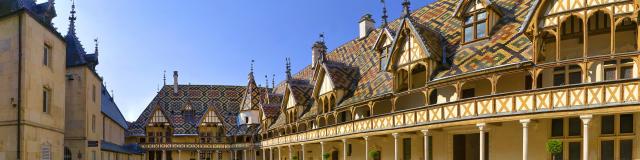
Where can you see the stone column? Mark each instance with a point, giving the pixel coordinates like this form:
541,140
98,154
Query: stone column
179,158
244,154
302,146
321,150
164,155
344,149
198,154
426,144
481,127
219,155
366,147
290,152
264,152
525,138
395,146
585,135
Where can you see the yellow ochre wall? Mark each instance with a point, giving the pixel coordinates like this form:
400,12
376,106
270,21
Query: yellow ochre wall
38,128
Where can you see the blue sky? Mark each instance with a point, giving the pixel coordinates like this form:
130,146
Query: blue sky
208,41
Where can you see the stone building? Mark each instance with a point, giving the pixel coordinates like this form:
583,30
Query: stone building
54,105
455,79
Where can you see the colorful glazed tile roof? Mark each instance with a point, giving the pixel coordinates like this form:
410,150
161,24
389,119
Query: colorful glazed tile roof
251,98
438,29
224,100
440,32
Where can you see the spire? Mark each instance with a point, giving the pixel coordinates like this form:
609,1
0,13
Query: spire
384,13
164,78
405,9
273,81
288,67
72,18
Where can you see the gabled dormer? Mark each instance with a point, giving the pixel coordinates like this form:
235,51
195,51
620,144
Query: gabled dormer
382,47
295,99
415,53
478,18
332,82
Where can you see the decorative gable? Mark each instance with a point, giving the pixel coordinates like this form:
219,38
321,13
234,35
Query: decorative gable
158,117
291,101
412,45
210,117
326,86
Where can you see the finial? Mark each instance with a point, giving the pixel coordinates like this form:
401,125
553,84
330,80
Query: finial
266,80
384,13
252,65
405,8
273,81
164,78
113,94
322,37
96,47
73,11
288,67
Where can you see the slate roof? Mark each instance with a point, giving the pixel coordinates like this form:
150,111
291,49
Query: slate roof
128,149
44,11
110,109
76,54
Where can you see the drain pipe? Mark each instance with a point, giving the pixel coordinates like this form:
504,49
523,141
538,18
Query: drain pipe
19,106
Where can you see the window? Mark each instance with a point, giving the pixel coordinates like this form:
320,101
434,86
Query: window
617,139
433,97
46,100
93,93
569,131
618,69
406,148
475,22
93,123
246,120
46,55
567,75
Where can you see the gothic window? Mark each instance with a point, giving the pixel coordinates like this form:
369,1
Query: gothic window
475,21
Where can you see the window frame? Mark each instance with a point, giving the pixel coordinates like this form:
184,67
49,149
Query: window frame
46,100
566,139
474,23
617,137
46,55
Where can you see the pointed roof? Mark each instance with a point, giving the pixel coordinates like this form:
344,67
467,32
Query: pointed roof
251,97
76,54
44,11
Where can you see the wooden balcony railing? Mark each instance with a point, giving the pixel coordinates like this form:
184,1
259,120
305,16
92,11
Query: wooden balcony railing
196,146
581,96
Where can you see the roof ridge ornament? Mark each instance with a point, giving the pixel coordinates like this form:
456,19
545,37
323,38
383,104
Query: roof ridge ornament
406,12
96,47
288,67
384,13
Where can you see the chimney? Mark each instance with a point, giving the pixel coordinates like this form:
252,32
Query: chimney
175,82
318,51
366,25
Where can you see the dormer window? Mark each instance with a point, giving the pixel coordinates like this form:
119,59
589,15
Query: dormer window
475,22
